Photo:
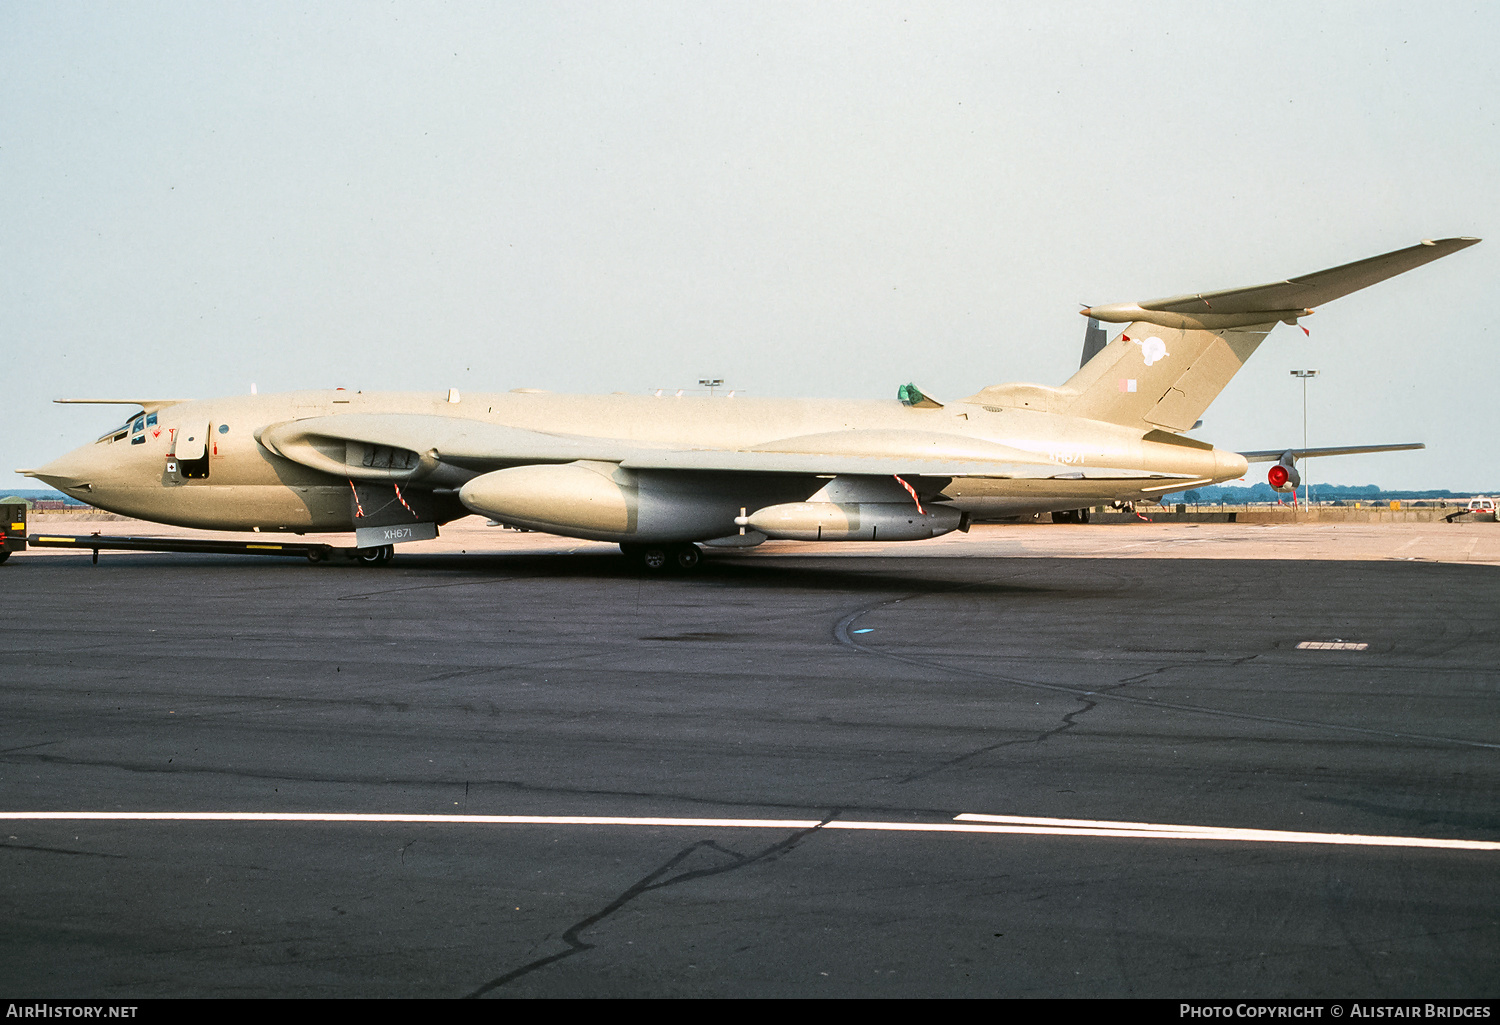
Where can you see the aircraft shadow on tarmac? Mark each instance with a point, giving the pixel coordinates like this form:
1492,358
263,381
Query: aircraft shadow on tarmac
834,574
801,573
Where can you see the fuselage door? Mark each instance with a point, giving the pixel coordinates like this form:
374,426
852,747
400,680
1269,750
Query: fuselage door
191,452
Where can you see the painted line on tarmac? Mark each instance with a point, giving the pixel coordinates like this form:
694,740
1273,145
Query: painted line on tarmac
1100,827
1014,825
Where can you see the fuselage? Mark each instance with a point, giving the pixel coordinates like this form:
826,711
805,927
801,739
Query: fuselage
238,483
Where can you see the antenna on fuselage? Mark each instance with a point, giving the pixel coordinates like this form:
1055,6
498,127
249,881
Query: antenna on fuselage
1095,337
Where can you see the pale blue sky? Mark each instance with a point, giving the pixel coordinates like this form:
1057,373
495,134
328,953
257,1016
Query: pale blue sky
803,199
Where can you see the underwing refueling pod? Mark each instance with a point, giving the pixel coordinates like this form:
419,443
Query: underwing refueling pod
660,474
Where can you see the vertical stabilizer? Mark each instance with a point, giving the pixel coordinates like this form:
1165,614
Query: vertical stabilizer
1156,377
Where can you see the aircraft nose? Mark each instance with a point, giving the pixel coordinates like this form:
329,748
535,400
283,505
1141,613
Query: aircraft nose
74,473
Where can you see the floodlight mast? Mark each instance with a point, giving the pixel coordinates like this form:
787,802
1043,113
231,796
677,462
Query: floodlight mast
1306,477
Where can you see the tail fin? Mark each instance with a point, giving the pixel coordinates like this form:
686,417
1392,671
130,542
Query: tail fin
1175,355
1160,377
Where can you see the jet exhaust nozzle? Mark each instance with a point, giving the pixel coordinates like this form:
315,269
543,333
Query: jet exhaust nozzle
1284,476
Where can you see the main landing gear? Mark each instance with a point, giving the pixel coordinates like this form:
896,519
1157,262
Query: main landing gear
1071,516
664,558
376,556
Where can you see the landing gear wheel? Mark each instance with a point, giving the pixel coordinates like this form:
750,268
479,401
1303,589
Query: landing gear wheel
387,553
687,557
656,559
4,556
372,556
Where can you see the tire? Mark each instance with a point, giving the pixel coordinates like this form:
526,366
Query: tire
687,557
655,558
370,556
4,556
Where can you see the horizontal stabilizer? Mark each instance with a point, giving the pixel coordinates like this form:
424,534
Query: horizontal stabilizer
1274,455
1281,299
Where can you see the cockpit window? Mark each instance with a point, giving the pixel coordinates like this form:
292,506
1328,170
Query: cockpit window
150,419
140,425
116,434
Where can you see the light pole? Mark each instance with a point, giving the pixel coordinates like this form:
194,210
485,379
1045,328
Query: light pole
1306,477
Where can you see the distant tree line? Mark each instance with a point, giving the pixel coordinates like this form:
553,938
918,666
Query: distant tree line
30,497
1263,492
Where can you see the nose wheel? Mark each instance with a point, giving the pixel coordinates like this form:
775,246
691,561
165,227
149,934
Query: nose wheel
664,558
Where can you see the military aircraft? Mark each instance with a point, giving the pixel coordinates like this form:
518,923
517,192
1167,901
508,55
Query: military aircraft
659,474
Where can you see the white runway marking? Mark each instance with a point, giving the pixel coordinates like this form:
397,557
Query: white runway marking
377,817
1021,825
1093,827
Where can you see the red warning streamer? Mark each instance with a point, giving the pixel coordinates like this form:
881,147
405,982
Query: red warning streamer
359,510
403,502
912,492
